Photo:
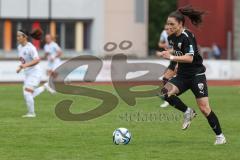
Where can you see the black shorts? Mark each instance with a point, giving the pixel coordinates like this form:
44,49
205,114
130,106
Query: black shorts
198,85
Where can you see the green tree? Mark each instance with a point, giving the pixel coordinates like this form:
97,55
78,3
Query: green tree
158,13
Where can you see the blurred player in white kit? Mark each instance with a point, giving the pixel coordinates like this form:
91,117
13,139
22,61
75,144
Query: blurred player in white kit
53,53
29,58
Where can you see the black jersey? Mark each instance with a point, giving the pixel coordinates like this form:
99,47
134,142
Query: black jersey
184,44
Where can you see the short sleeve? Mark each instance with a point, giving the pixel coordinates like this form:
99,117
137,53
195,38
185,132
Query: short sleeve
187,46
56,46
45,48
163,37
34,53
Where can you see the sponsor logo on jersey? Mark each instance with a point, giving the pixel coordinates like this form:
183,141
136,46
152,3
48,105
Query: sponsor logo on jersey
179,45
178,53
171,43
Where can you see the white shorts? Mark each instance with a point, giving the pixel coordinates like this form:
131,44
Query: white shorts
53,65
32,80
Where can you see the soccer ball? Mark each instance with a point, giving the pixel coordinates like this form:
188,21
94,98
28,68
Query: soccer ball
121,136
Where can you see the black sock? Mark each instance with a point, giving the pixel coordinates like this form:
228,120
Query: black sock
176,102
214,123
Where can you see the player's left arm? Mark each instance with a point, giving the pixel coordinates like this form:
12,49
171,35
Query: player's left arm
187,58
29,64
59,51
187,49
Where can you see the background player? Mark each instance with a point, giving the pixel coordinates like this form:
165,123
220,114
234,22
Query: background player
163,40
29,58
171,70
53,53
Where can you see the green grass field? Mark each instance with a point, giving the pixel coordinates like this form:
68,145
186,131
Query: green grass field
48,138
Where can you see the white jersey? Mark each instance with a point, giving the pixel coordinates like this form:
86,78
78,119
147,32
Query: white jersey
27,54
164,37
52,50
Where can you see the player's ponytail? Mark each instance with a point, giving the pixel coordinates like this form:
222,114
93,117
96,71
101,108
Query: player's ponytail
35,33
194,15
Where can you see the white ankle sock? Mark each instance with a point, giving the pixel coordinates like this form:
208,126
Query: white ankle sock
220,135
188,110
29,101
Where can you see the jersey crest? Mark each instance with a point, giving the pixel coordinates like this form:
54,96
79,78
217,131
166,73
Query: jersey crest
179,45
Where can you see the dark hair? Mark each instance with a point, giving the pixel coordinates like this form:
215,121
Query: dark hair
35,34
194,15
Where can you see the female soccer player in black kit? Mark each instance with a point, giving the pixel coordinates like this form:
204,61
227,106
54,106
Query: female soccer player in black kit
190,73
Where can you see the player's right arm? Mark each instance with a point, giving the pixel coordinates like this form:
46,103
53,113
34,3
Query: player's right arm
58,50
46,53
162,44
170,72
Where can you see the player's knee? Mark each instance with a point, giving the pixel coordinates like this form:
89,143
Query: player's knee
163,93
27,91
167,95
205,108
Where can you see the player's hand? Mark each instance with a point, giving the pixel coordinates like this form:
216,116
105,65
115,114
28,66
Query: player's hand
52,58
165,80
164,54
159,54
23,66
18,69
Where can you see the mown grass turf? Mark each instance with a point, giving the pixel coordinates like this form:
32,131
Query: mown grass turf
156,132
